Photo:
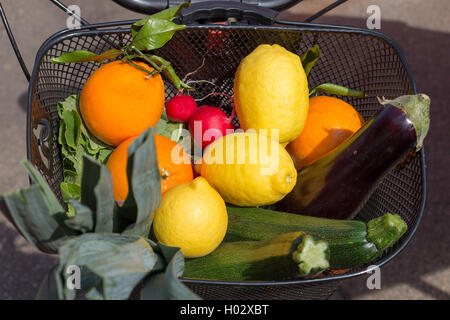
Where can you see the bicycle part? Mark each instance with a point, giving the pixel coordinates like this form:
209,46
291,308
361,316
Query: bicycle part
324,10
152,6
207,12
64,8
14,44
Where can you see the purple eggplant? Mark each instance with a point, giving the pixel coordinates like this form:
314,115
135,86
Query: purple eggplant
338,185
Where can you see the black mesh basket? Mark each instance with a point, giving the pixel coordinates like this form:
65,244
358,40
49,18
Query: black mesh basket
356,58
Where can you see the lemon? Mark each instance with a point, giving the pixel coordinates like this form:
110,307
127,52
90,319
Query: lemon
249,169
193,217
271,92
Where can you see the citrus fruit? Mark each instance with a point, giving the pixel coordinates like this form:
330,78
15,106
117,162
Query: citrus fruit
191,216
249,169
271,92
330,122
119,101
172,172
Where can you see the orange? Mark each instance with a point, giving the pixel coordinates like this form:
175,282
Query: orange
119,101
330,122
173,172
174,164
198,167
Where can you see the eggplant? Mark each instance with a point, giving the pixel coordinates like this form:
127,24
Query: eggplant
338,185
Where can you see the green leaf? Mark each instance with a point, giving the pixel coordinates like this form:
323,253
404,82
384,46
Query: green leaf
121,268
103,154
47,194
172,12
111,264
167,128
97,194
144,179
166,285
76,142
38,218
155,33
74,56
70,191
83,219
80,251
108,55
331,88
309,58
72,124
167,14
72,164
86,56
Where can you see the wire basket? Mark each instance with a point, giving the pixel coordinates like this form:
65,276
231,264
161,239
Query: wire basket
356,58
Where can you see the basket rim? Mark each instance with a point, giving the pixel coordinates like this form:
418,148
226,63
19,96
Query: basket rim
117,26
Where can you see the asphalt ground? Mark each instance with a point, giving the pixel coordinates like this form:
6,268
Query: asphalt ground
422,28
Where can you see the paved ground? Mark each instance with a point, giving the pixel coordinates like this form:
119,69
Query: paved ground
422,271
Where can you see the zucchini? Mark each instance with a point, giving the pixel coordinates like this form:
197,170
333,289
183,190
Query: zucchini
351,243
285,256
338,185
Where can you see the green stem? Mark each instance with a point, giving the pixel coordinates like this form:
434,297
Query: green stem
170,72
151,73
385,230
145,57
159,64
336,89
179,130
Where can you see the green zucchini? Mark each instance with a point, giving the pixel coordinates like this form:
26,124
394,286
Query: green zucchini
351,243
285,256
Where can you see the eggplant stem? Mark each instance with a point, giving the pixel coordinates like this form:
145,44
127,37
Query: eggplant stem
417,108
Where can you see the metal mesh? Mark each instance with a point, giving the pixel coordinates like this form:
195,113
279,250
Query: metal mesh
357,60
311,291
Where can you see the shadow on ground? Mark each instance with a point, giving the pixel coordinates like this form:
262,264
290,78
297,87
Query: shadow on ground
22,101
23,268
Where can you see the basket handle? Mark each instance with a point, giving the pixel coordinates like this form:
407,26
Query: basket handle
202,12
152,6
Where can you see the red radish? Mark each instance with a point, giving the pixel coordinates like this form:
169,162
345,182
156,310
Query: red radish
208,124
180,108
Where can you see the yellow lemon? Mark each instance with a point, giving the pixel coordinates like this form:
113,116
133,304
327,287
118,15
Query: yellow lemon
271,92
249,169
193,217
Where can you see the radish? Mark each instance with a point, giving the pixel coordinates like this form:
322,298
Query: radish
180,108
208,124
